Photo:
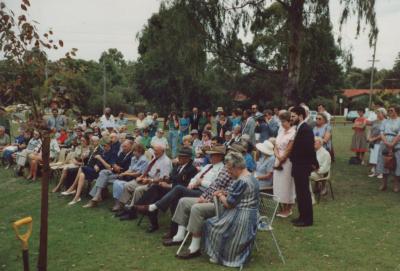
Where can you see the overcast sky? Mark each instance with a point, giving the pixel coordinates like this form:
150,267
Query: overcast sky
93,26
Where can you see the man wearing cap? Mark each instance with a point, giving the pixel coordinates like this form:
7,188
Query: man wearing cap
159,139
159,168
218,111
196,142
198,184
181,174
191,213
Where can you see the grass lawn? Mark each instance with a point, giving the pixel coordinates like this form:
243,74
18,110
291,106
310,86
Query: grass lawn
359,230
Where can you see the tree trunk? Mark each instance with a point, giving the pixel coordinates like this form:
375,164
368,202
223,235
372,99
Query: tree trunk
42,261
296,29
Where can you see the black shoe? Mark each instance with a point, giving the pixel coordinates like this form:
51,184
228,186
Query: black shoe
295,220
302,224
152,228
128,216
121,213
186,254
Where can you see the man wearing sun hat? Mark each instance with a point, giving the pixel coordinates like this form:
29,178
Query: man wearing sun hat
265,165
181,174
198,183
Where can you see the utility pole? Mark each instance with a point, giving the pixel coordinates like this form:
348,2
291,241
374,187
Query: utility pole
371,83
104,84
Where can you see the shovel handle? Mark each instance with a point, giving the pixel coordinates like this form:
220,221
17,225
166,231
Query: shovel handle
23,237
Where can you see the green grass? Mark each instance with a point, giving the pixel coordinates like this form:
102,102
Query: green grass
359,230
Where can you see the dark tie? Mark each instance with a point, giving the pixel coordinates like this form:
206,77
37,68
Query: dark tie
205,172
149,167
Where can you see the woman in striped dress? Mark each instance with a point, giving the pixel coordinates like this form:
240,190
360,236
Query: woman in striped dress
229,238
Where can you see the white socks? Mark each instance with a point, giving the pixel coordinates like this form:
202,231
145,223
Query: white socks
195,245
152,207
180,235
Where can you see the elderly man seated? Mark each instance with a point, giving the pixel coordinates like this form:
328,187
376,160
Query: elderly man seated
181,174
138,166
159,168
198,184
324,160
107,176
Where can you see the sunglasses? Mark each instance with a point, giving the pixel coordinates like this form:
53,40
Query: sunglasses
318,118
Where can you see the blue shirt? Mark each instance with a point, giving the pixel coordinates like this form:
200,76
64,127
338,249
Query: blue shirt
265,166
138,164
115,148
250,163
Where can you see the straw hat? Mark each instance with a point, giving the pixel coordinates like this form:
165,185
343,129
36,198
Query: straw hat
237,147
266,148
217,149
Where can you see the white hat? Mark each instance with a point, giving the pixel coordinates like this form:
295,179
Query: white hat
266,148
220,109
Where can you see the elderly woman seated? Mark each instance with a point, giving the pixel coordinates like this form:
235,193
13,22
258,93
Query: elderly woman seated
74,160
36,158
34,146
100,157
324,161
229,237
4,138
19,144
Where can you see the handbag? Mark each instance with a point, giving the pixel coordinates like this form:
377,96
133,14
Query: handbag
389,160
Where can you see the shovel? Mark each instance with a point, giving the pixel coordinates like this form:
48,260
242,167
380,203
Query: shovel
24,238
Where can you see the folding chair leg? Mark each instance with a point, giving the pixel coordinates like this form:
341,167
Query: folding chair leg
140,220
277,247
330,188
183,243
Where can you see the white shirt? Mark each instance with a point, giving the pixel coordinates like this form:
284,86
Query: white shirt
161,168
141,124
110,122
324,161
209,177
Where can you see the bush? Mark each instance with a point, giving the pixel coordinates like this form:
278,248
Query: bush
327,102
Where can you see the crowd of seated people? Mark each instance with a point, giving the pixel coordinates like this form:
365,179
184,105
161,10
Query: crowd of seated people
182,167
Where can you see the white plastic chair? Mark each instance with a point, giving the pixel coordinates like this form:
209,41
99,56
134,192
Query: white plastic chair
267,210
325,180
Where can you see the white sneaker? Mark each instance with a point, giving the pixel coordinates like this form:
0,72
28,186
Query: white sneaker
74,202
380,176
66,193
372,175
212,260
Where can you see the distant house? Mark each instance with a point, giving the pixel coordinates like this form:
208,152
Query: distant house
355,94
